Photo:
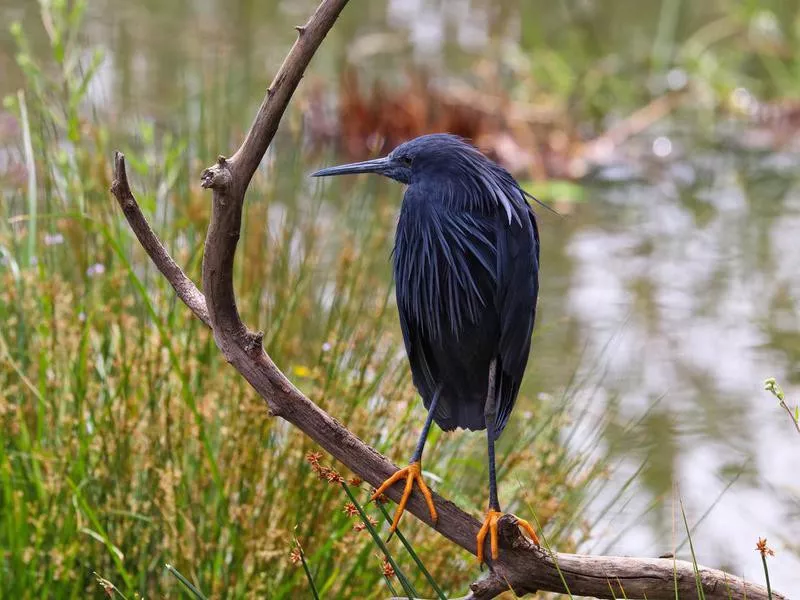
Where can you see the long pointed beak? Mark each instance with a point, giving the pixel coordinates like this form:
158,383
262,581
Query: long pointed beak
377,165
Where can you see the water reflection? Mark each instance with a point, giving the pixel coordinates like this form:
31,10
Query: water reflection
687,280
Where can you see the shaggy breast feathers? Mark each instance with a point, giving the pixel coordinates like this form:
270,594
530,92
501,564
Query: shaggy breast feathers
466,271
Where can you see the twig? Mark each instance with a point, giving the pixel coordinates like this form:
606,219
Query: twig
521,567
187,291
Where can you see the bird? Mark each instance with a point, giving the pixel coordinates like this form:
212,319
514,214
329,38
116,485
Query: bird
466,275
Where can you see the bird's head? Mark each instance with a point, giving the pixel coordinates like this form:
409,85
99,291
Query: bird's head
439,153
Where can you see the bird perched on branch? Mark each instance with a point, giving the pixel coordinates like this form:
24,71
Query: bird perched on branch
466,270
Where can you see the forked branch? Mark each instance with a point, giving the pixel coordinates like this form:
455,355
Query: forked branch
521,567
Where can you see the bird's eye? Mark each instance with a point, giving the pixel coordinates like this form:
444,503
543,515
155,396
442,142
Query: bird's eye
405,161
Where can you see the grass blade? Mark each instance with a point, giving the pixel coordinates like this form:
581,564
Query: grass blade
307,571
550,550
30,167
407,587
765,551
186,583
766,575
101,535
413,554
700,592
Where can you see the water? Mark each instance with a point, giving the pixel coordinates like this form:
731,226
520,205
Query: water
674,289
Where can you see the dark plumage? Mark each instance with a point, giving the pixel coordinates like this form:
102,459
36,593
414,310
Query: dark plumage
466,265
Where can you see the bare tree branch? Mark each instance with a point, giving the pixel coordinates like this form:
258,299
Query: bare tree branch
184,287
522,566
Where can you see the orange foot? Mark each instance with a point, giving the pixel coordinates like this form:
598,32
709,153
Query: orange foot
490,526
410,473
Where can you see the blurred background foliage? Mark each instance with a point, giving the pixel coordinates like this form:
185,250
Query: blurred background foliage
663,132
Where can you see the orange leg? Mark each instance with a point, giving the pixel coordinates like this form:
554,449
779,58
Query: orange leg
411,473
490,527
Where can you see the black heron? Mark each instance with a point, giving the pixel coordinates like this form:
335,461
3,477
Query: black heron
466,270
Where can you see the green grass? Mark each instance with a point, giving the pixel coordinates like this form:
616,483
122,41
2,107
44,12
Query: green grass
128,443
189,586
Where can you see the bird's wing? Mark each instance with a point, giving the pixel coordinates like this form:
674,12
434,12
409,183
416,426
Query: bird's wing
445,284
518,289
423,371
416,279
466,284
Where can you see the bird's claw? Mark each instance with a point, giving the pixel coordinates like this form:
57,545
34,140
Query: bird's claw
411,473
490,526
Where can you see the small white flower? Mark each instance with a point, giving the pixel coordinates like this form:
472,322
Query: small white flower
326,347
53,239
765,24
82,317
743,101
96,270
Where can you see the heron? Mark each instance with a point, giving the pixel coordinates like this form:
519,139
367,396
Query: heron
466,273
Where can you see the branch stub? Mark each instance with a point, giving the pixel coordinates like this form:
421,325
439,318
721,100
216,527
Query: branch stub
218,176
254,342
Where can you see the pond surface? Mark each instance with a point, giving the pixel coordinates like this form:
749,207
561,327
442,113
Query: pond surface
673,291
